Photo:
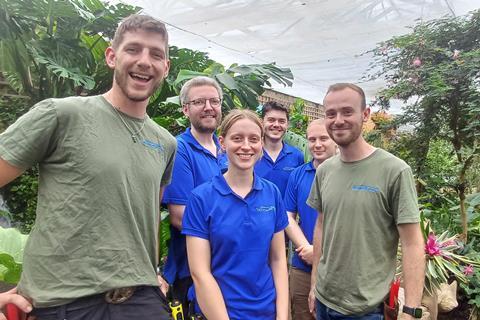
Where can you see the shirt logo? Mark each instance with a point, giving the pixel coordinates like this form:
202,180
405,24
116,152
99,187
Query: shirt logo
152,145
288,168
265,209
365,188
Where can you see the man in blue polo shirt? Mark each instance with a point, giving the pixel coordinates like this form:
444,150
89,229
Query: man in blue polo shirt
279,159
321,147
196,162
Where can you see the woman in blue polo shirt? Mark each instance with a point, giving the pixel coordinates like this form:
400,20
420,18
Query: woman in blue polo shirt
234,227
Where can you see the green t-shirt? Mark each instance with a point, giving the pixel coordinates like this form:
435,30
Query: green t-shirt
362,203
98,197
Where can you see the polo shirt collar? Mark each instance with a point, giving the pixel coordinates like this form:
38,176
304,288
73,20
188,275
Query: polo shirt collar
286,149
222,186
190,139
310,167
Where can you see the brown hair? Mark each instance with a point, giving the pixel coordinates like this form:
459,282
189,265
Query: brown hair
273,105
354,87
239,114
140,22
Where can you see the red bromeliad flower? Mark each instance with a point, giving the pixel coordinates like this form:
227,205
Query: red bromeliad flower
432,246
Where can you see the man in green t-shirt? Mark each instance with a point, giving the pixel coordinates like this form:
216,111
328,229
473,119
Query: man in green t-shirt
103,164
368,202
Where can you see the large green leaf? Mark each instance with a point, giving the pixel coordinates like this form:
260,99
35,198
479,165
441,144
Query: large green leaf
298,141
12,243
10,270
185,75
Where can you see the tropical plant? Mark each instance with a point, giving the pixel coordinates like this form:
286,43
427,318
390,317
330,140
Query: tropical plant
472,290
444,258
163,236
12,243
381,131
298,121
54,48
434,70
298,141
241,84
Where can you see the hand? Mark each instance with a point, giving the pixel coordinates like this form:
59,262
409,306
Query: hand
13,297
404,316
311,303
163,284
305,252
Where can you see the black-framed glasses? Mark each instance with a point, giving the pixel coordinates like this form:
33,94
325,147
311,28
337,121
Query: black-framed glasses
201,102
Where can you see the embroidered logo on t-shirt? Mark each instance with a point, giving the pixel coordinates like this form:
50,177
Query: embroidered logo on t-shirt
288,168
265,209
152,145
365,188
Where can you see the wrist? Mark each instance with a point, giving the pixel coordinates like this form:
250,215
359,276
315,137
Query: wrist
412,312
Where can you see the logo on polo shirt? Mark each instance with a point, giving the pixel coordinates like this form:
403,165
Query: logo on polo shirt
288,168
265,209
365,188
152,145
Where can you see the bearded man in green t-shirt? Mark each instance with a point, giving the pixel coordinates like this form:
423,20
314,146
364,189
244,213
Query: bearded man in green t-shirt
103,165
368,202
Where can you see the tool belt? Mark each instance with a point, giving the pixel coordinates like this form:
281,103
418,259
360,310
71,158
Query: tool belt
119,295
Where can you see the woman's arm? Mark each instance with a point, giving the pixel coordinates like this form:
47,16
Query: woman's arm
209,296
278,263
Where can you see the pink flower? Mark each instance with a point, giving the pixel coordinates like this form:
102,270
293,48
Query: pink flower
432,247
448,243
417,62
468,270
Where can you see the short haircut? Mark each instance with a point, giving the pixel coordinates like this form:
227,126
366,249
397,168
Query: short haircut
273,105
319,122
354,87
236,115
140,22
198,82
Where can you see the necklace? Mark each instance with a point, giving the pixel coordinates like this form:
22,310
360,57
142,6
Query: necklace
134,134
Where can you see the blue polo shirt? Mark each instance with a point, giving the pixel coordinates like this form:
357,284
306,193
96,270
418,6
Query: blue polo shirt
296,195
278,171
193,166
240,232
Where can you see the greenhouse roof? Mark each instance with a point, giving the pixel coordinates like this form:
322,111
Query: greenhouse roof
322,41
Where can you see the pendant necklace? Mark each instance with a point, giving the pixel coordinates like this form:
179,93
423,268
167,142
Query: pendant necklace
134,134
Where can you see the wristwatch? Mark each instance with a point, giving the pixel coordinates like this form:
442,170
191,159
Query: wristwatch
414,312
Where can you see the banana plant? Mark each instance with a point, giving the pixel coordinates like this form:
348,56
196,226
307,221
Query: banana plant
55,48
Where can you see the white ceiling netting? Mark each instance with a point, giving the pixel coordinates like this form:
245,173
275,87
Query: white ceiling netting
321,41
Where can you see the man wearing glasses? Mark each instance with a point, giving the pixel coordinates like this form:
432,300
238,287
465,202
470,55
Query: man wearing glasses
197,161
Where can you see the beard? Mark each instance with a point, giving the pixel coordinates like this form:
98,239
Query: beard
206,128
348,137
121,78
